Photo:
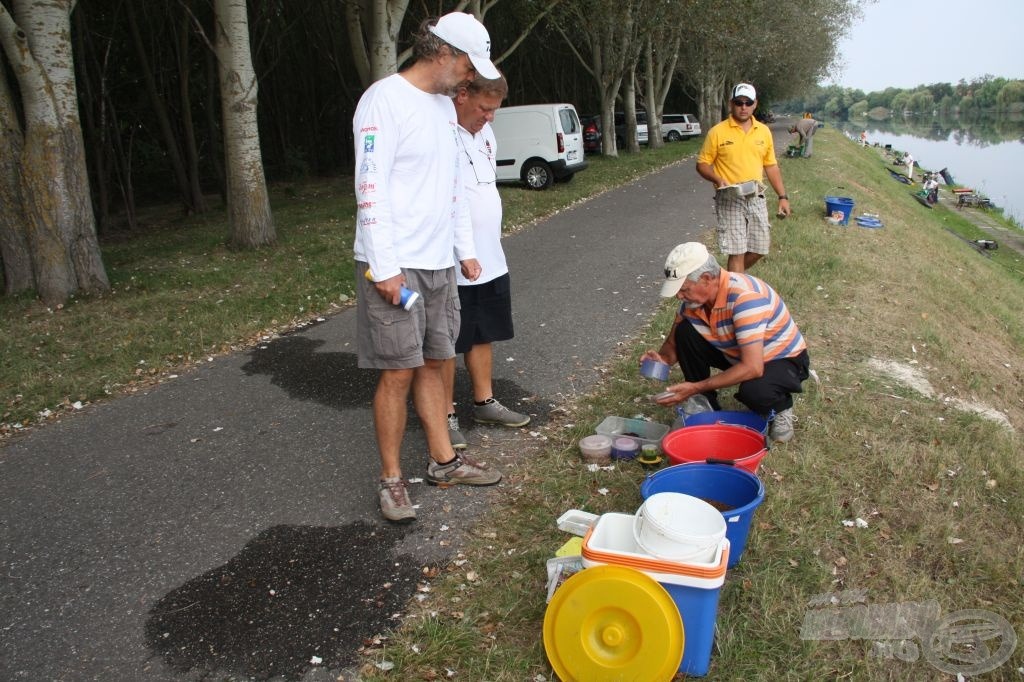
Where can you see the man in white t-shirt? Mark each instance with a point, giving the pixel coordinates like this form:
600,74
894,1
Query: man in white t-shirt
412,223
487,302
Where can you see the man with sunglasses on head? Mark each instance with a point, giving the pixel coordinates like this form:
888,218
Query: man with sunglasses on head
738,150
487,301
412,224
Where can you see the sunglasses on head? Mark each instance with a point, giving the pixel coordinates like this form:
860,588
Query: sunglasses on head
743,102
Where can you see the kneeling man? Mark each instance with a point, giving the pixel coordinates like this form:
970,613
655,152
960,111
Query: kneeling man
735,323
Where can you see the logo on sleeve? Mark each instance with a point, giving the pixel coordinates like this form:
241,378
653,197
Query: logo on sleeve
368,143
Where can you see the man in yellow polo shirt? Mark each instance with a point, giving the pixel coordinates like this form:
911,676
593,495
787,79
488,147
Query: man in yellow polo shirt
739,151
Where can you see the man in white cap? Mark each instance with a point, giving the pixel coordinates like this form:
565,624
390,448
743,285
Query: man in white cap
740,149
739,325
412,224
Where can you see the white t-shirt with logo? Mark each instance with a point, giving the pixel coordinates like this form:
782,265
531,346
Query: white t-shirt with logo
411,212
477,154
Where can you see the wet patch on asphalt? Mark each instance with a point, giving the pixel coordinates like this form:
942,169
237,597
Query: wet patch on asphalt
293,593
296,364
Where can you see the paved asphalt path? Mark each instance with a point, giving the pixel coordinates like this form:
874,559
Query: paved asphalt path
224,524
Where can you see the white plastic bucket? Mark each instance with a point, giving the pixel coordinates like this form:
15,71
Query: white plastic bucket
678,527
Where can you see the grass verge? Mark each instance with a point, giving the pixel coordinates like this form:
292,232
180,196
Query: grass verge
179,295
936,482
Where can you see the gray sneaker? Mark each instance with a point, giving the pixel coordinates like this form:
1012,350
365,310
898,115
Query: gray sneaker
493,412
462,470
395,504
454,435
782,426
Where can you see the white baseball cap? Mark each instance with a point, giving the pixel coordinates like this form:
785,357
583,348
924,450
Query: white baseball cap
683,260
463,31
741,90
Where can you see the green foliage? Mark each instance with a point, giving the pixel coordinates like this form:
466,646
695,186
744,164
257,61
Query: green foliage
986,94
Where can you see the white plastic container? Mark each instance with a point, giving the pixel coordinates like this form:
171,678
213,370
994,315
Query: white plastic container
576,521
643,432
678,527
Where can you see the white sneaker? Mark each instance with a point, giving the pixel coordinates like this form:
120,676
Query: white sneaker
782,426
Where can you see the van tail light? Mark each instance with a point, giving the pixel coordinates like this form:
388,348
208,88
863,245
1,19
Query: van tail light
561,143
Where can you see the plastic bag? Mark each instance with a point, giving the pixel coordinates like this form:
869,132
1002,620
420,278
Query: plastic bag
695,404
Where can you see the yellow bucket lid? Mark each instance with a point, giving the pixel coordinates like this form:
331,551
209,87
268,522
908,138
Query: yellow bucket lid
613,622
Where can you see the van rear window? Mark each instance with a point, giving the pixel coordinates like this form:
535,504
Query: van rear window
570,124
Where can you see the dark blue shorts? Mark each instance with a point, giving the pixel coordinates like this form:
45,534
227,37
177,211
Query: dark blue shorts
486,313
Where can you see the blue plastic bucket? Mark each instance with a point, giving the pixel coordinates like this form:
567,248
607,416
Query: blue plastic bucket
750,420
839,205
716,483
694,587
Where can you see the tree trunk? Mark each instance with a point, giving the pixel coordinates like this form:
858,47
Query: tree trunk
654,140
54,183
48,27
195,190
91,80
163,120
14,251
373,27
251,223
213,130
629,111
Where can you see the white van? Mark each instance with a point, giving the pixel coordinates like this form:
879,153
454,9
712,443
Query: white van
538,144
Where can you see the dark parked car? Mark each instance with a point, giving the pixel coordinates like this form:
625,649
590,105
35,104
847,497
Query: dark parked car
620,128
591,134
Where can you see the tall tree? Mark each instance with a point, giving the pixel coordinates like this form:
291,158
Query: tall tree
373,27
14,253
607,45
54,178
250,221
661,54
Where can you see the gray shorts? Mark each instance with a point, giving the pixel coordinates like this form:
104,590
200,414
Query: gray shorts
390,337
743,224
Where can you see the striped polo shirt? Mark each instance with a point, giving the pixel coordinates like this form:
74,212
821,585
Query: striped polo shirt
746,311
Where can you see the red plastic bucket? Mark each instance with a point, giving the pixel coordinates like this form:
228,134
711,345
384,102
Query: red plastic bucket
715,444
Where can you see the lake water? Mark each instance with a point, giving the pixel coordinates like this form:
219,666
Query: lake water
986,155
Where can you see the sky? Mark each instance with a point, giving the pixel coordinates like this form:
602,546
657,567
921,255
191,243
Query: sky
905,43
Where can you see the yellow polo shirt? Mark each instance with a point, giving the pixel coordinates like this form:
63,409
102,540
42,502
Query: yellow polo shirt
738,155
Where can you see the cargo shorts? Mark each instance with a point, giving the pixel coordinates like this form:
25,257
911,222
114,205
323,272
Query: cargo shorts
390,337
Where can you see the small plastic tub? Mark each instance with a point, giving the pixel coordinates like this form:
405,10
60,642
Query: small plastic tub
596,448
653,369
625,448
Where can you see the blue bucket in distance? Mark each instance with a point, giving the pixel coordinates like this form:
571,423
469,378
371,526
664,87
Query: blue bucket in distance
750,420
720,485
839,205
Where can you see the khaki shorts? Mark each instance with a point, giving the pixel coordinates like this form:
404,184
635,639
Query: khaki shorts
390,337
743,224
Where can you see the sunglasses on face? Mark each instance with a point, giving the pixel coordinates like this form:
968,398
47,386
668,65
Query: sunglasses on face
742,103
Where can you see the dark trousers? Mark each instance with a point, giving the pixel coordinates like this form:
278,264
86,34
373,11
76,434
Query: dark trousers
773,390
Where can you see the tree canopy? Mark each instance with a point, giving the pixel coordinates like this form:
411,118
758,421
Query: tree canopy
145,102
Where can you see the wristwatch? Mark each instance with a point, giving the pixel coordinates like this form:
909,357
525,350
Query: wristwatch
783,196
